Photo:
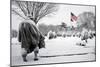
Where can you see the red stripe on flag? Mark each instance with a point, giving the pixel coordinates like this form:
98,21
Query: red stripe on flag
73,17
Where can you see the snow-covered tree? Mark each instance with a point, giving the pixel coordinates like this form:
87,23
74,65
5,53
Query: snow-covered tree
86,20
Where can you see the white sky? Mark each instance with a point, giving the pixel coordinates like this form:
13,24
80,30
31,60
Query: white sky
62,15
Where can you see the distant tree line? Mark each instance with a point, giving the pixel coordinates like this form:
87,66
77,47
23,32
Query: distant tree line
46,28
55,28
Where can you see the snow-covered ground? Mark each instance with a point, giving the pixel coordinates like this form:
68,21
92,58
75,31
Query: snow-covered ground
57,50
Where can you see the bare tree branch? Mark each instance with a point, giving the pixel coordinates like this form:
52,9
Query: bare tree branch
35,10
18,14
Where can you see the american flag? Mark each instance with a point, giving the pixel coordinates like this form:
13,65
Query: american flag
73,17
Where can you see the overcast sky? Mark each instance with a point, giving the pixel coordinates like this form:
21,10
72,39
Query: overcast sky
62,15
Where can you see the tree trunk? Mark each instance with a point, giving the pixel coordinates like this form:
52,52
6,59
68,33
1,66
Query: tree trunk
34,20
